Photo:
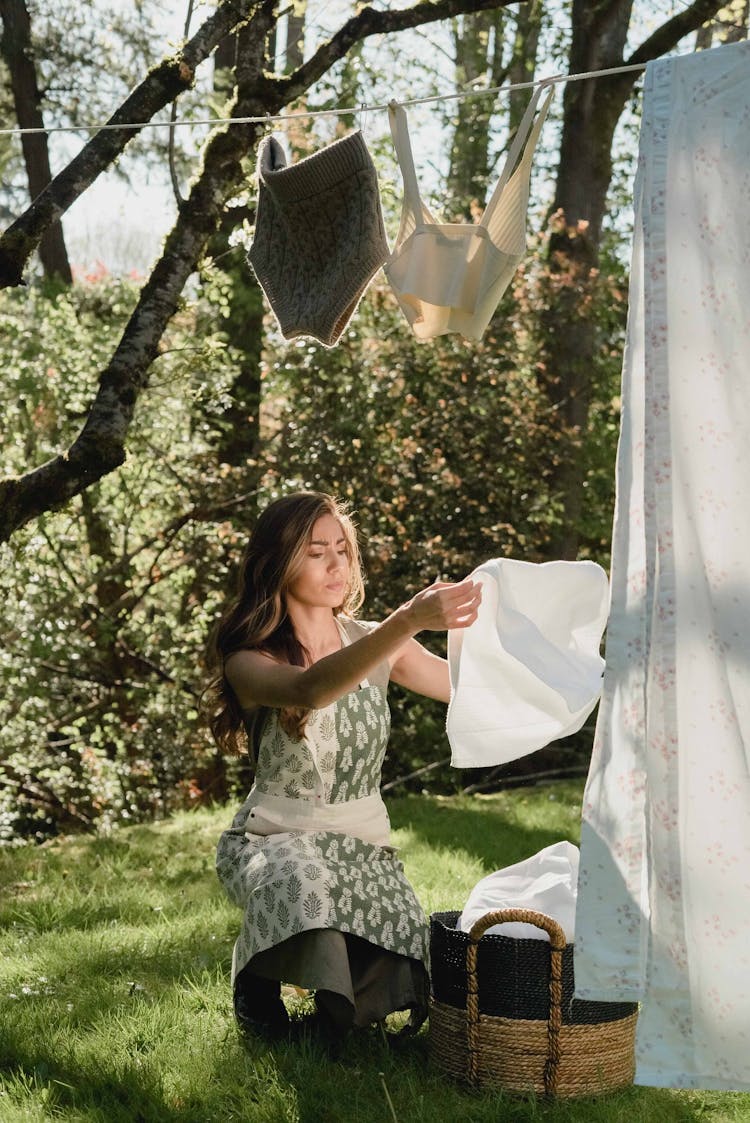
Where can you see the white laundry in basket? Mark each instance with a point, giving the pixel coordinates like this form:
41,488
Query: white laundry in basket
547,882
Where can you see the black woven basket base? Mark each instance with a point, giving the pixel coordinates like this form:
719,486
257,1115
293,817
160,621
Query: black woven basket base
513,977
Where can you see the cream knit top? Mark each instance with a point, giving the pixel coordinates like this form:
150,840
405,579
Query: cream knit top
449,276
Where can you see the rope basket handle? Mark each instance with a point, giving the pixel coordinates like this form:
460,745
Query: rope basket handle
557,944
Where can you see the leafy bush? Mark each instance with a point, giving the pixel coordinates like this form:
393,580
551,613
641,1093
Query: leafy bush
448,452
106,604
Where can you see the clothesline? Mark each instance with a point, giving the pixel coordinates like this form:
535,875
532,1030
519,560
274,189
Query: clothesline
269,118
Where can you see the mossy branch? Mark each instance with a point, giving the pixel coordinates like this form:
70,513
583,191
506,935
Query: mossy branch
161,85
100,446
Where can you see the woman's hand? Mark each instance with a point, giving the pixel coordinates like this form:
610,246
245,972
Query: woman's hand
259,680
440,607
444,605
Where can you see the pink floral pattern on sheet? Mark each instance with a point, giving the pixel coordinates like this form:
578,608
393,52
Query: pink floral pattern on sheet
664,891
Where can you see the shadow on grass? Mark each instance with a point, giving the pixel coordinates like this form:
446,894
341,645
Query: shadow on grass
485,834
101,977
254,1082
68,1092
150,1035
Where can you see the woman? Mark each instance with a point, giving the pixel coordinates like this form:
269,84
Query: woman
308,857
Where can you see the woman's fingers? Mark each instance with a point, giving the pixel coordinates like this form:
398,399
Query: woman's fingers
465,620
466,612
447,605
455,591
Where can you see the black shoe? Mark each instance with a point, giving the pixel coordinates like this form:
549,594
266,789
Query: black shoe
274,1024
318,1030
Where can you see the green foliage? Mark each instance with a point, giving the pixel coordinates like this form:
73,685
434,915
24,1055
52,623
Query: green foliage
447,449
107,603
448,452
595,302
115,994
435,444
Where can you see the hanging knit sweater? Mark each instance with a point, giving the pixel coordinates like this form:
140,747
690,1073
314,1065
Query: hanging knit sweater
319,235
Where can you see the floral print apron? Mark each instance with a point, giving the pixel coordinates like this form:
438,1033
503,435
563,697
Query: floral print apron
319,872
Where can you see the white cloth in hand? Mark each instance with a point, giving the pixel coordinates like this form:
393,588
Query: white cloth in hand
528,670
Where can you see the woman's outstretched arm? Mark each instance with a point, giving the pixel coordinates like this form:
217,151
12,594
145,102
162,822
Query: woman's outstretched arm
259,680
419,670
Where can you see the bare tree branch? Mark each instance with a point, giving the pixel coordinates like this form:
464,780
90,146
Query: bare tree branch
376,22
154,669
173,117
160,86
100,446
673,30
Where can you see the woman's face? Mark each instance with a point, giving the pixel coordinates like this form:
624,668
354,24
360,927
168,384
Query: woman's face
322,579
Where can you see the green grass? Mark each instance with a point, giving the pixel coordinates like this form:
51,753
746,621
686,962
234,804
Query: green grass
114,984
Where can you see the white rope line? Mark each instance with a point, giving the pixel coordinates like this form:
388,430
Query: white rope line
268,118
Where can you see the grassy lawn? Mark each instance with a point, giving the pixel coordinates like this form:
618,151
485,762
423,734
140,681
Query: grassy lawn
114,984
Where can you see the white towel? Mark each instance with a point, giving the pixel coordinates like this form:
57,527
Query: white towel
528,670
546,882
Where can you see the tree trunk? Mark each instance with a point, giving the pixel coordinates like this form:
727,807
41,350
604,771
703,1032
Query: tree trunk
239,425
16,49
239,441
591,110
522,66
479,49
474,39
106,615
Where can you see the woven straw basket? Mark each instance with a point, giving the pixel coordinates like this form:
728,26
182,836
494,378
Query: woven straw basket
502,1013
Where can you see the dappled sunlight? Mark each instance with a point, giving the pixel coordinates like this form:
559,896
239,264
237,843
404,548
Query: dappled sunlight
495,830
122,1004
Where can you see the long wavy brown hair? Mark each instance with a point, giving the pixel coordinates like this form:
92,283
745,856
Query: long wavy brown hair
257,618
